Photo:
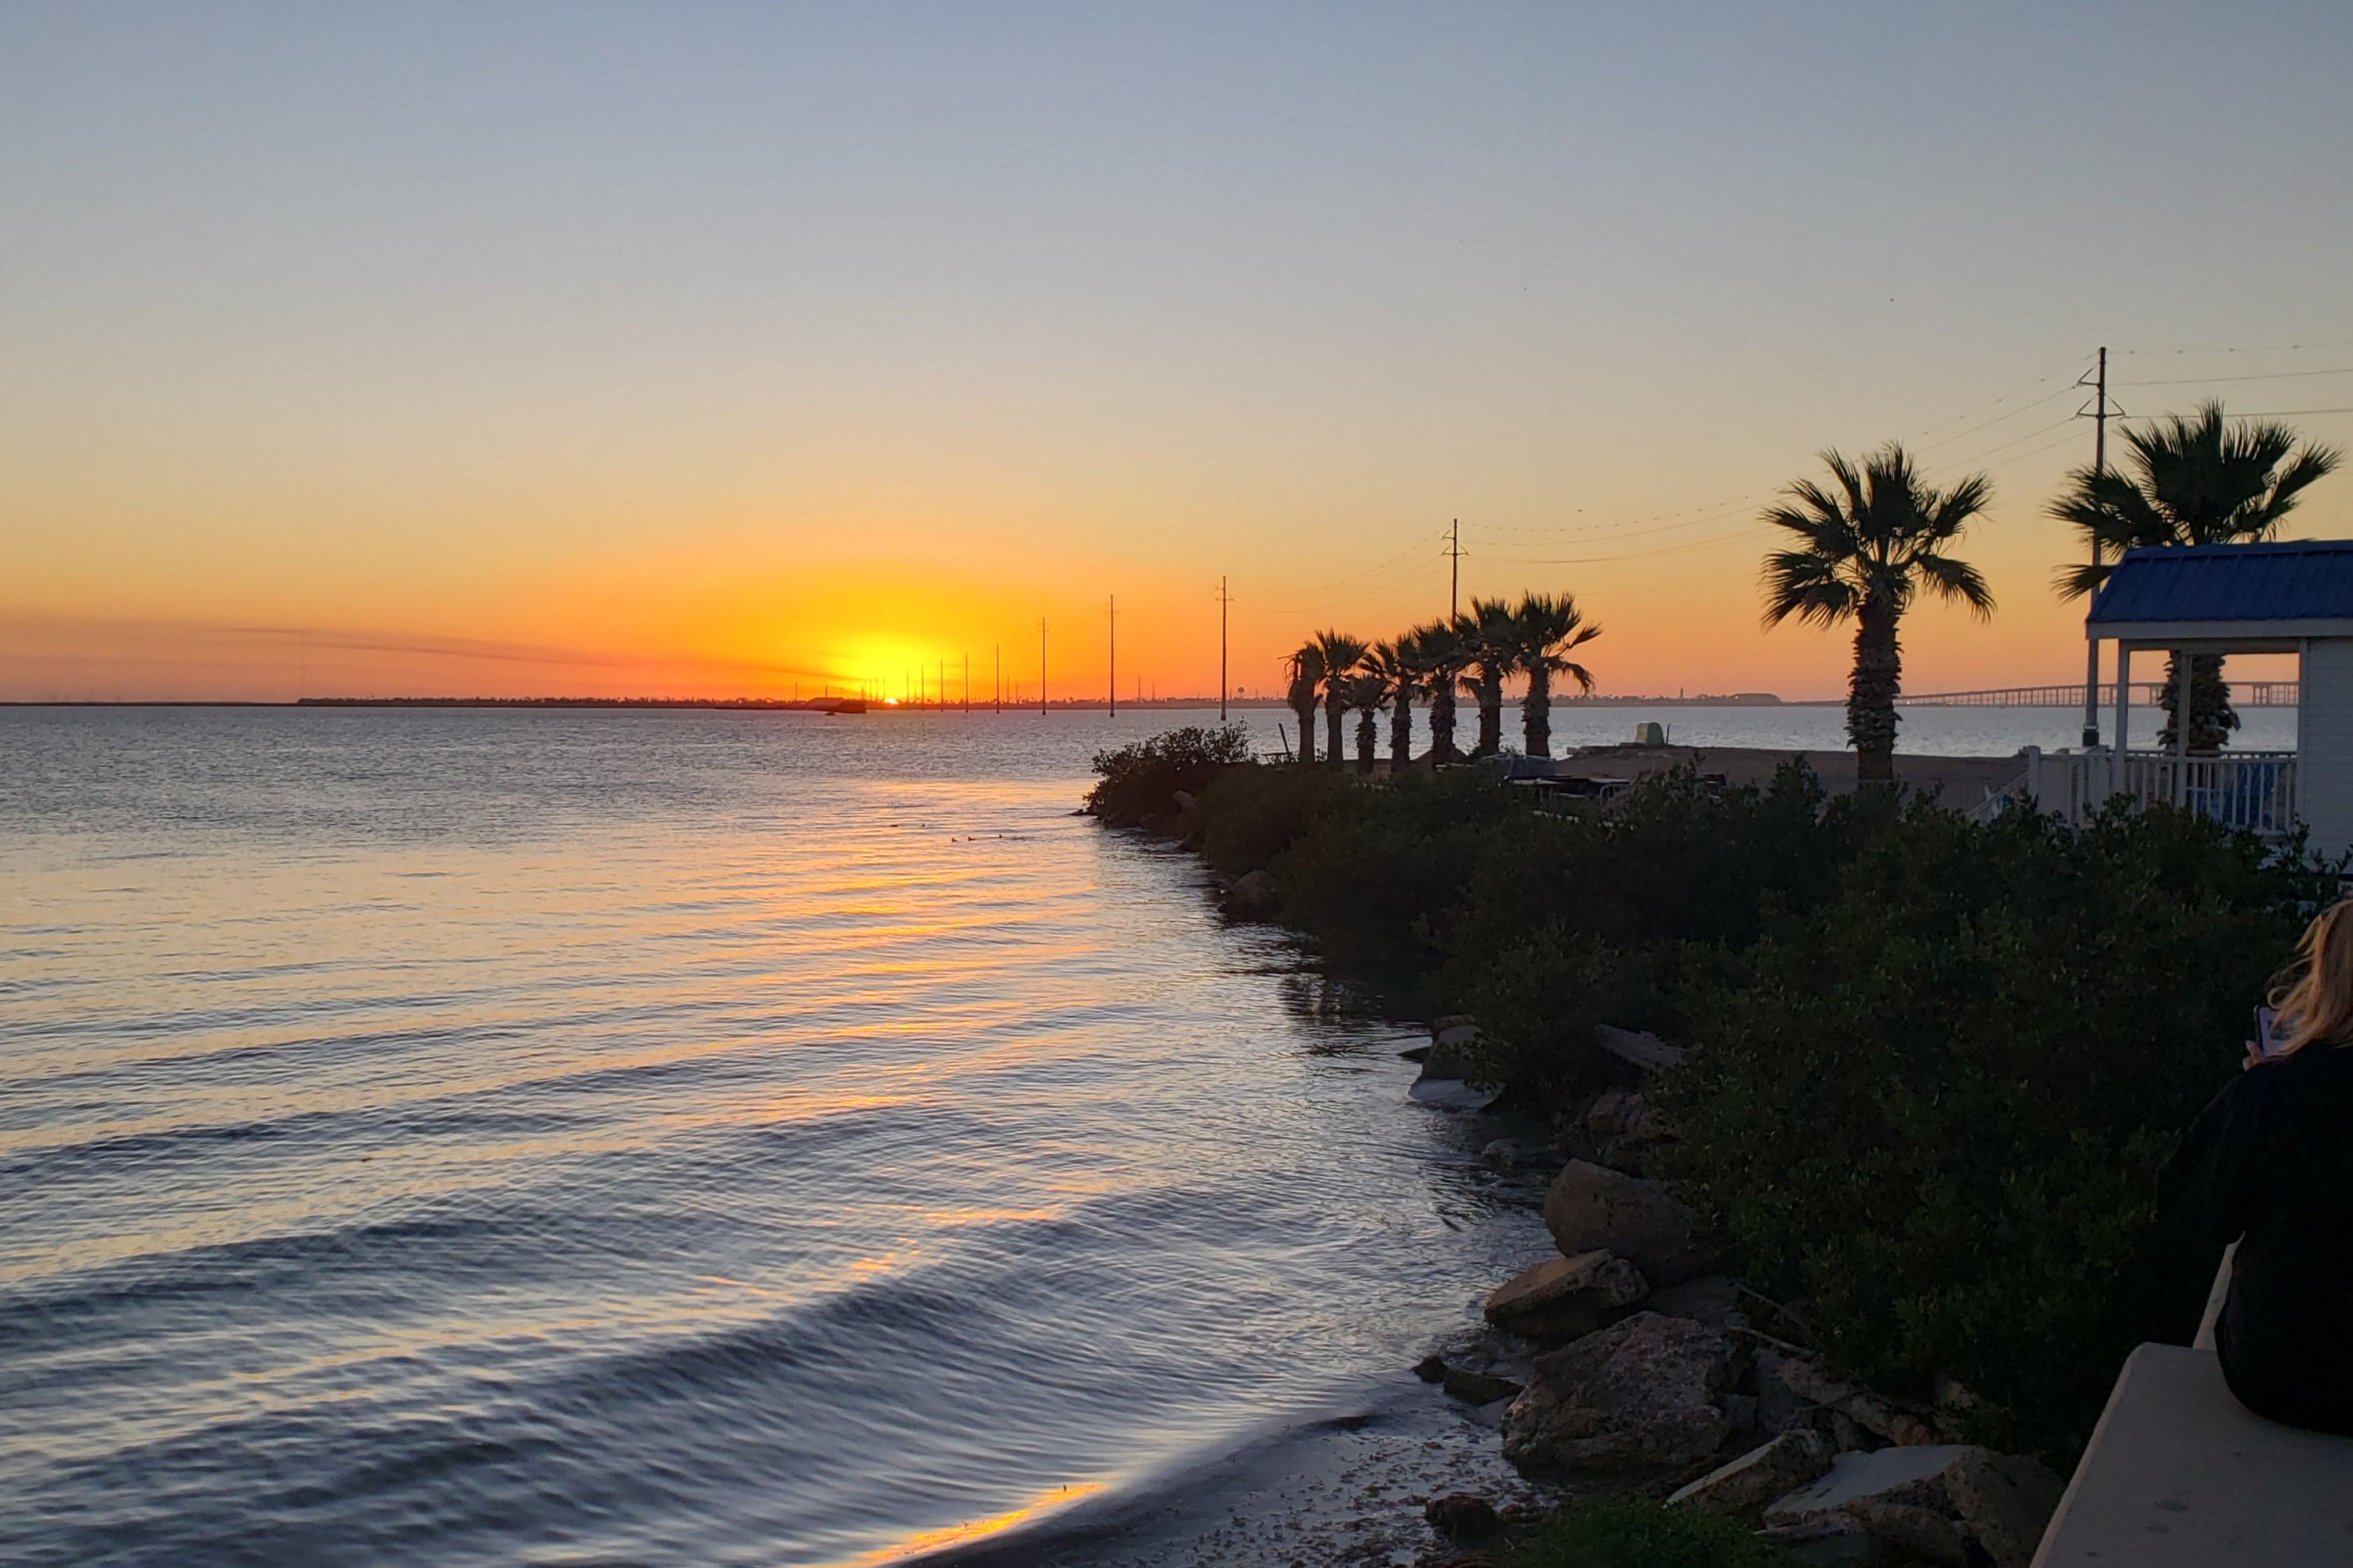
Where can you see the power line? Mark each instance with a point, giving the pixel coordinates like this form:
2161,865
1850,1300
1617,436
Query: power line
2251,375
2259,412
2247,349
1997,402
2002,419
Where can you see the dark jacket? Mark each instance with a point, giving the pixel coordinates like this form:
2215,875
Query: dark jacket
2269,1165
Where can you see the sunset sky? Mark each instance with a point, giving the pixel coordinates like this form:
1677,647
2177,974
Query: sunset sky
711,349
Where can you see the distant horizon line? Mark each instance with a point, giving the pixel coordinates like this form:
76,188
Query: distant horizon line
979,704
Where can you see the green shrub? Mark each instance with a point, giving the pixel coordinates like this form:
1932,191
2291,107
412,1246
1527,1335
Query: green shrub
1251,815
1933,1109
1139,782
1633,1533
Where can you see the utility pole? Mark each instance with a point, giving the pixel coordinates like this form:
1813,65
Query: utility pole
1454,584
1115,655
1041,664
2098,381
1223,601
940,692
967,686
998,649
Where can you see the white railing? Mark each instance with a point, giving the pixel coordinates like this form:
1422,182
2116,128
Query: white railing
2254,791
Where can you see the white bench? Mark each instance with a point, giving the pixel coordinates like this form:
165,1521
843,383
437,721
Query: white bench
2180,1473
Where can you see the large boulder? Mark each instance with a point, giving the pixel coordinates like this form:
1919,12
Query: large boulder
1640,1394
1940,1502
1744,1486
1593,1208
1563,1298
1254,896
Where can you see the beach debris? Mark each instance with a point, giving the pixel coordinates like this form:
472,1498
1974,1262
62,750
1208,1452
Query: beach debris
1946,1503
1640,1047
1563,1298
1462,1515
1810,1381
1640,1394
1744,1486
1592,1207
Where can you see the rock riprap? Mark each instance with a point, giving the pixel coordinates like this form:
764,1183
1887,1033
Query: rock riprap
1944,1503
1592,1208
1744,1486
1563,1298
1640,1394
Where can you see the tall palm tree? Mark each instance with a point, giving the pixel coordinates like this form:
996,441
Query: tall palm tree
1367,691
1340,653
1493,648
1550,628
1402,670
2197,481
1445,653
1865,547
1304,669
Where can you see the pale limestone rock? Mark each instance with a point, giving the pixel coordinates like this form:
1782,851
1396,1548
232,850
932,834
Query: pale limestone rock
1562,1299
1640,1394
1594,1208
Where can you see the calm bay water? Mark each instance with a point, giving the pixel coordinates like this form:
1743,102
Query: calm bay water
478,1137
454,1137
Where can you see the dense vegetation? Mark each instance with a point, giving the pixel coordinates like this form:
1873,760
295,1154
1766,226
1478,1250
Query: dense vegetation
1634,1532
1939,1062
1140,783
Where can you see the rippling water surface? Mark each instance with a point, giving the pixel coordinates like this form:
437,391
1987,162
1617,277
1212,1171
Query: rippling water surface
452,1137
656,1137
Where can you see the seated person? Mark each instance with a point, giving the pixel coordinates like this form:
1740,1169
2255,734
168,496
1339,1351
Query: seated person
2270,1164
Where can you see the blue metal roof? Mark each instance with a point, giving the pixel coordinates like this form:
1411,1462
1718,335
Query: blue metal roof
2293,579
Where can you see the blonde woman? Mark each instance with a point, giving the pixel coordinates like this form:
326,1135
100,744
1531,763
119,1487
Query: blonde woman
2269,1165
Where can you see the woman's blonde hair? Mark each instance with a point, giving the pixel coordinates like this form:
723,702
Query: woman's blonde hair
2313,996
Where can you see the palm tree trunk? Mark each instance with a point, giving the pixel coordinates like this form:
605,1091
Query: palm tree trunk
1401,729
1441,719
1306,713
1535,713
2211,717
1870,693
1366,734
1333,714
1490,714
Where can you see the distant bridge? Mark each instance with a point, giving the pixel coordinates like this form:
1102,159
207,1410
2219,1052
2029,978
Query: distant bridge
2243,694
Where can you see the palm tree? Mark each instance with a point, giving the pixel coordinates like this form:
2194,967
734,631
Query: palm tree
2199,481
1340,653
1305,669
1367,691
1401,669
1445,652
1550,628
1493,648
1866,547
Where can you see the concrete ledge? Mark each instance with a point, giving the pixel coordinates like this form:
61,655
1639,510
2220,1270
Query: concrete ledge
2179,1472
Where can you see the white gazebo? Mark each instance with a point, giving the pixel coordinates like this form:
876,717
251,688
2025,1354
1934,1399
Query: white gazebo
2291,597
